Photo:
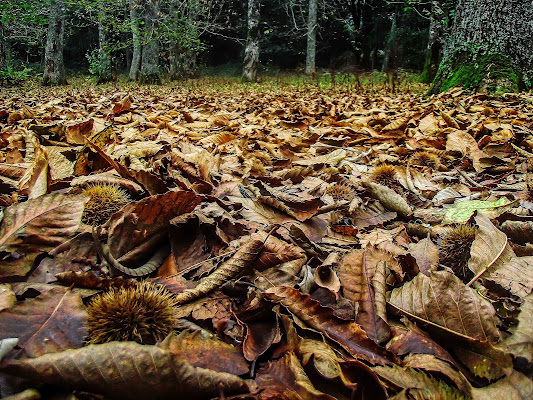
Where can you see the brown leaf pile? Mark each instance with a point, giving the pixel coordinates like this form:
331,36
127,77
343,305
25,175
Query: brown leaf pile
314,245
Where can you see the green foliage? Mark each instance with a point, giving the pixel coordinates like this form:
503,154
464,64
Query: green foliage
100,64
11,76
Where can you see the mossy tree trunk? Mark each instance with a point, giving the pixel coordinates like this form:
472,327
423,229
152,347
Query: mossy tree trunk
54,69
490,47
251,52
150,72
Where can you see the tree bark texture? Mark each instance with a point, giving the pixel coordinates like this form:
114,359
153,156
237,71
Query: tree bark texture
310,67
490,46
135,17
435,40
251,53
3,48
389,48
150,52
54,68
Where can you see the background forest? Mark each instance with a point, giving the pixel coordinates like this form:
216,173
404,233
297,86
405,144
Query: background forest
472,43
172,39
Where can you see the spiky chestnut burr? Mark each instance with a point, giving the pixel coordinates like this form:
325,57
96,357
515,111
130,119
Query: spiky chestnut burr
454,250
425,159
144,313
385,174
104,201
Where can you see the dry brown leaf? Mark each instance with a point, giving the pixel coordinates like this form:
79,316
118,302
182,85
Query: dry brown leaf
36,226
285,379
348,334
445,300
53,321
360,273
492,259
132,371
206,352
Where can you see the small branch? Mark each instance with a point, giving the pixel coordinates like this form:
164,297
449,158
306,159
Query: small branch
480,273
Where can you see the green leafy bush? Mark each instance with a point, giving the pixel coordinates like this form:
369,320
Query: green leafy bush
11,76
100,65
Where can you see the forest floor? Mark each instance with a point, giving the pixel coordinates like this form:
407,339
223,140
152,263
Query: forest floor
297,241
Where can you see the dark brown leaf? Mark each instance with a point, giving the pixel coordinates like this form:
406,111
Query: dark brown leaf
445,300
348,334
53,321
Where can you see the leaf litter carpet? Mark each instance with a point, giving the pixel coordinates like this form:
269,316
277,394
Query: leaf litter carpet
264,244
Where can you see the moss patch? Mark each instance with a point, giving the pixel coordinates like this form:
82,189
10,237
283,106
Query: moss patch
487,72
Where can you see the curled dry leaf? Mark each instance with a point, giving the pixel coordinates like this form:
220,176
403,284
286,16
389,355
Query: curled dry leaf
389,198
362,274
132,371
262,331
325,275
242,259
35,226
319,353
348,334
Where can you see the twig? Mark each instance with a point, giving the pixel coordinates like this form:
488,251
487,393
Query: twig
470,180
480,273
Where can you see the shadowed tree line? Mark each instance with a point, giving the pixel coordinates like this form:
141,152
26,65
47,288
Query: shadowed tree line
151,39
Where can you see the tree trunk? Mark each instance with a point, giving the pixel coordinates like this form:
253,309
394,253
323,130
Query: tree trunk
310,67
3,48
389,47
135,15
150,52
104,71
436,38
54,69
251,53
183,51
489,47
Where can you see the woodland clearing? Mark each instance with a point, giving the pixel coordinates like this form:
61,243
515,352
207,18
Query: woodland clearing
297,243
